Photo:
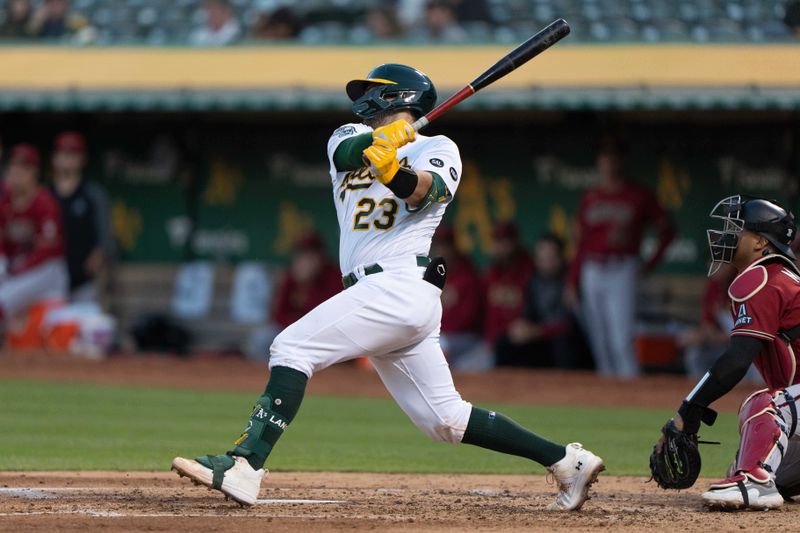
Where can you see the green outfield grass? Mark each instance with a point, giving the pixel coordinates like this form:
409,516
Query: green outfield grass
49,426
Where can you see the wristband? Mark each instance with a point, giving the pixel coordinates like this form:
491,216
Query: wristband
404,183
692,414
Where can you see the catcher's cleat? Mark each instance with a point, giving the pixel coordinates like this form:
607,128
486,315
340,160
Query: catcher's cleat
231,475
741,492
575,474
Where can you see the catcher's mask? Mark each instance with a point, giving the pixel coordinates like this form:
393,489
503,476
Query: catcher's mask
390,87
738,213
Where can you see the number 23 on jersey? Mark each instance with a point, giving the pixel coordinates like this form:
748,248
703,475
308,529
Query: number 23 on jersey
384,221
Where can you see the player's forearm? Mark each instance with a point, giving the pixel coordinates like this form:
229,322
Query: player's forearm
349,154
723,376
572,279
666,236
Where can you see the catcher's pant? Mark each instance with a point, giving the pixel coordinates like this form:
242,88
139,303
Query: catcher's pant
608,292
788,474
393,318
48,281
770,433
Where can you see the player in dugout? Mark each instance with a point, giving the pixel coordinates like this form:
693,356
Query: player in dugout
86,217
32,264
612,218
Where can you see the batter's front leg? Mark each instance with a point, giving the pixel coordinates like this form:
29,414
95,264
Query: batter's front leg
419,380
330,333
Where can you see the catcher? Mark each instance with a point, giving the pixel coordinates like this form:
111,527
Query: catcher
756,237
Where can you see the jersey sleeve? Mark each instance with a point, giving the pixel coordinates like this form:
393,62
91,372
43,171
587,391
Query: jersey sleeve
442,158
756,314
339,135
102,218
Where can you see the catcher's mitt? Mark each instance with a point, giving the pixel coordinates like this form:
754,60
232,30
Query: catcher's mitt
677,465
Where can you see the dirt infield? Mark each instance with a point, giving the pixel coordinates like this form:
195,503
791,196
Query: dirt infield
356,502
360,502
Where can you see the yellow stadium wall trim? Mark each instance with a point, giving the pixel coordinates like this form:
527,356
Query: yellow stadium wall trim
328,68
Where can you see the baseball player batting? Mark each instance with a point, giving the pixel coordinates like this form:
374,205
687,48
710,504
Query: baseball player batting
391,187
756,237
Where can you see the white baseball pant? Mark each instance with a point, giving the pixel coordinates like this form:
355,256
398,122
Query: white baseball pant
788,472
48,281
392,317
608,292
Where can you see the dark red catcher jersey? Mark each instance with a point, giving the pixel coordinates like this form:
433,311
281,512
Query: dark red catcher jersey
765,299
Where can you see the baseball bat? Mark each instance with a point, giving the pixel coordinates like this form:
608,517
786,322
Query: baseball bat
520,55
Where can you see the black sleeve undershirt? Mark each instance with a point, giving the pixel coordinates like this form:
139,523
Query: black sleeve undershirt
728,370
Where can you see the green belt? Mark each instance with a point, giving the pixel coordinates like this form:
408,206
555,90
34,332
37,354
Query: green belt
351,279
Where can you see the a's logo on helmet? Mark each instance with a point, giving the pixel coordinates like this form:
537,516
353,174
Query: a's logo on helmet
437,162
453,174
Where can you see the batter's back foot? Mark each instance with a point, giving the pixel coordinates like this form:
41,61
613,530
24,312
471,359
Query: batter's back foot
575,474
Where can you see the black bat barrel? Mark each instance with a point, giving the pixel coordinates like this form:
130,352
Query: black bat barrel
523,53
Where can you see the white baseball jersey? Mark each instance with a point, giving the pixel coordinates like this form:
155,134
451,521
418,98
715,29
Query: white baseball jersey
376,225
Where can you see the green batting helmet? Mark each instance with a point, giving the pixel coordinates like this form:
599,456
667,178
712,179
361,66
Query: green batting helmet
390,87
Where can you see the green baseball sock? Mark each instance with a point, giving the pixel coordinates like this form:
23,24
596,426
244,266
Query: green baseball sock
497,432
271,415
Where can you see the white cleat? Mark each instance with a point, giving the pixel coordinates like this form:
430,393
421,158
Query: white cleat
239,482
574,474
743,494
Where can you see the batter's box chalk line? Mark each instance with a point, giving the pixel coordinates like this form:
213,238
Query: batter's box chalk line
27,493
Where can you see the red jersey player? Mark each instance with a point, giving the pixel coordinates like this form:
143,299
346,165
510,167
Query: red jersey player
765,303
463,303
505,281
310,280
612,218
31,239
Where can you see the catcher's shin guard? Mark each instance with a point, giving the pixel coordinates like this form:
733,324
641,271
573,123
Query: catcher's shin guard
763,439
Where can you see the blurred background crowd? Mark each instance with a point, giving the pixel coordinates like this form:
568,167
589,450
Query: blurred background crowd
148,206
225,22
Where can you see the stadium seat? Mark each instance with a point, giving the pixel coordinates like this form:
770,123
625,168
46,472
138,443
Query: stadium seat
251,294
194,290
330,21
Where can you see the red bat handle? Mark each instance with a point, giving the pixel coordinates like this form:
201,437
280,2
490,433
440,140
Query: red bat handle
463,94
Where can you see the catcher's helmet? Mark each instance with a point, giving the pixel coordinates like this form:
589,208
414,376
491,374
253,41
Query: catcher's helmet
398,87
764,217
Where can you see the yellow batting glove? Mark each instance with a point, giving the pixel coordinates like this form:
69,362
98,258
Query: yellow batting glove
399,133
382,160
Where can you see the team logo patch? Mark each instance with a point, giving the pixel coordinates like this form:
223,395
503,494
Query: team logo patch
743,319
344,131
437,162
453,174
